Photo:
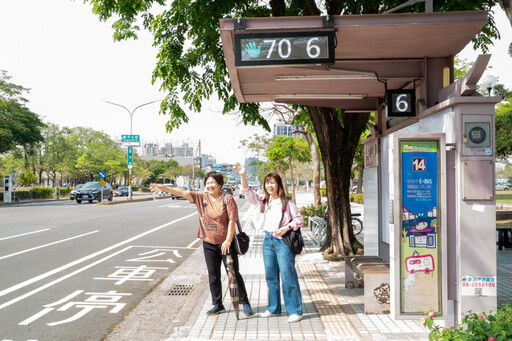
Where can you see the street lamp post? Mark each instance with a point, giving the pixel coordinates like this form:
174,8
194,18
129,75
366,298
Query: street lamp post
131,130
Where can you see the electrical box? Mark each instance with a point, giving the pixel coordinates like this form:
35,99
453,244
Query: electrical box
477,135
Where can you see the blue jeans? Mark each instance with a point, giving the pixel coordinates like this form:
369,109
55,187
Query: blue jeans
280,264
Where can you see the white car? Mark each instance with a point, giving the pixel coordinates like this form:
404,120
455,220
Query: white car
502,187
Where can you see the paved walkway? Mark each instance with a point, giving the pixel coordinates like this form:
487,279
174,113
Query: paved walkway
331,312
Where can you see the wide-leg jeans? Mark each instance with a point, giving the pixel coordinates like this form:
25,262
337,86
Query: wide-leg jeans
280,267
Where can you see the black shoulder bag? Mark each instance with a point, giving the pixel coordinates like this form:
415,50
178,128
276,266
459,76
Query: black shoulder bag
293,238
241,239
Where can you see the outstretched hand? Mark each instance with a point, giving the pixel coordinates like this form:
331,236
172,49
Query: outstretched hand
240,169
154,188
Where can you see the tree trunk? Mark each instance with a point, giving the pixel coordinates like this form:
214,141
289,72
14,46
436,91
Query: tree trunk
360,174
338,145
315,158
283,173
292,180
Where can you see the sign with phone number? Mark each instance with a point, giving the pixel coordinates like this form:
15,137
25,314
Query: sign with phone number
478,286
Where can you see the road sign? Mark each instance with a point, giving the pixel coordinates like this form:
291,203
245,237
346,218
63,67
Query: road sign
102,175
130,179
101,182
130,138
130,156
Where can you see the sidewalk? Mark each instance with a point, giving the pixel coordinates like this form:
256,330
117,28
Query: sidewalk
331,312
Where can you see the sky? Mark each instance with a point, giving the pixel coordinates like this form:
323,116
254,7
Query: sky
67,57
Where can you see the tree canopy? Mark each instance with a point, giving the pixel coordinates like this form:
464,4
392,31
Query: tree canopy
18,125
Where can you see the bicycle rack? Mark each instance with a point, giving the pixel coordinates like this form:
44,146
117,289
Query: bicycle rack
318,228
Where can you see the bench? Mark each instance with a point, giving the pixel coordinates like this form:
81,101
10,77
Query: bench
503,240
372,274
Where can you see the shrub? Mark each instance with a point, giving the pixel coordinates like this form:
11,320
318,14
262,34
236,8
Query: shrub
64,191
475,326
312,211
144,189
358,198
41,192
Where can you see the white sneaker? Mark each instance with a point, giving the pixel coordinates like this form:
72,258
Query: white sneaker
294,318
268,314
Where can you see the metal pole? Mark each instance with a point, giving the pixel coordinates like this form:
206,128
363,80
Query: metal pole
131,131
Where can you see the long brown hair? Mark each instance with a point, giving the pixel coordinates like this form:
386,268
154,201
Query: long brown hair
280,191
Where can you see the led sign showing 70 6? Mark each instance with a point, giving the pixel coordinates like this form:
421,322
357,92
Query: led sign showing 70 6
284,48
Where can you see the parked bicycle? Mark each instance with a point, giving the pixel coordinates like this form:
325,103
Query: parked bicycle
357,224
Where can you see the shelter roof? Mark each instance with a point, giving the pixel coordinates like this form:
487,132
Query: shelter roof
372,52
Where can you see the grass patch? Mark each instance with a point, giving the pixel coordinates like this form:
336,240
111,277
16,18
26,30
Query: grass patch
504,197
504,223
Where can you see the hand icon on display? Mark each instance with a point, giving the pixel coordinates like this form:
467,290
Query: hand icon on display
252,50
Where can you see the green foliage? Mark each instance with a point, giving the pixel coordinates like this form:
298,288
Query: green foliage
64,191
41,192
27,178
312,211
18,125
288,149
475,326
504,129
357,198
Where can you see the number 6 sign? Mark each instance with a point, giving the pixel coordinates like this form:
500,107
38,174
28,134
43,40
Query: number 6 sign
401,103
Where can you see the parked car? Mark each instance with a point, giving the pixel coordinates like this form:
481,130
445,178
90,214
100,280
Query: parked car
178,197
121,191
72,194
227,190
92,191
502,187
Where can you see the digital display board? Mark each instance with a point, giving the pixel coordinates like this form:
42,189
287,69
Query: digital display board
401,103
284,48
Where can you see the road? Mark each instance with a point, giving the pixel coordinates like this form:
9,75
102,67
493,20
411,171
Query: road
71,272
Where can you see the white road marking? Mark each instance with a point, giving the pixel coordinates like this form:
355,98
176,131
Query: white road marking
81,260
49,244
23,234
195,241
35,291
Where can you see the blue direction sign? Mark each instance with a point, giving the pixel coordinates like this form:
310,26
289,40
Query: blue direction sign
130,156
130,138
102,175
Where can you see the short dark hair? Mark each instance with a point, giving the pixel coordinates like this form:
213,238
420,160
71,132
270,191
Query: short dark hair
218,177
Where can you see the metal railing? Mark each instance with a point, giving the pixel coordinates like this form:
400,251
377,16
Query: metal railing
318,228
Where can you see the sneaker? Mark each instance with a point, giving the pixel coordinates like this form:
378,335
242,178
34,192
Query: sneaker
294,318
216,310
268,314
248,310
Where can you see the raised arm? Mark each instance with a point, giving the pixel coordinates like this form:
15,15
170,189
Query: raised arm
155,188
243,174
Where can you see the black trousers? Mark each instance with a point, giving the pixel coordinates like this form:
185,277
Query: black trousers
214,260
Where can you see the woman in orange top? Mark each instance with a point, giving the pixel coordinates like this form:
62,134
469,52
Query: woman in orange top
216,229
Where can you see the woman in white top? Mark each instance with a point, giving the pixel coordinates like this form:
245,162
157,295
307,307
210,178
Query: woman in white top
277,216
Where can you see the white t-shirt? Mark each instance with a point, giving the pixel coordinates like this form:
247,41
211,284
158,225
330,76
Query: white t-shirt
273,216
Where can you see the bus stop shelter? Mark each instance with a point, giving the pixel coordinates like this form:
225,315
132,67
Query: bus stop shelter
399,66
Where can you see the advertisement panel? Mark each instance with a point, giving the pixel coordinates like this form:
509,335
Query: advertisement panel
420,273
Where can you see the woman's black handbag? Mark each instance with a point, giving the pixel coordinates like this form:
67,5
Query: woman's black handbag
241,240
294,241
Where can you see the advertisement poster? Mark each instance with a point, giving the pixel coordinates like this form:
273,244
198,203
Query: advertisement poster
420,288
